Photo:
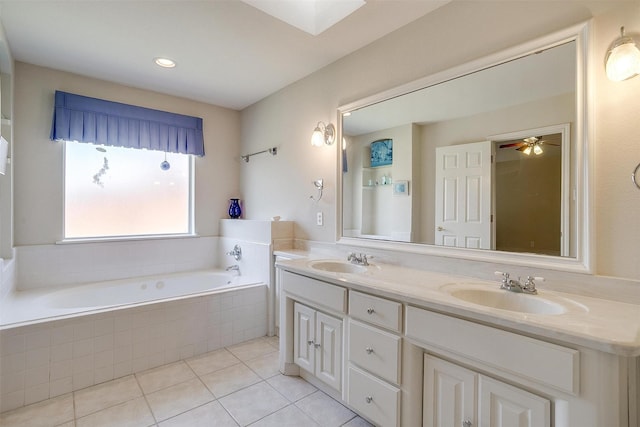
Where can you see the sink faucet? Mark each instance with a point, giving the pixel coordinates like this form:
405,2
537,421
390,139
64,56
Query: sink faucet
234,267
358,259
513,285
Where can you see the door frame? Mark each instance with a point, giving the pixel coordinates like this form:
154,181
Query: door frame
564,129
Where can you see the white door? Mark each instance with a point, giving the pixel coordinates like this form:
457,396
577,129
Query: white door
502,405
303,337
463,195
329,350
449,394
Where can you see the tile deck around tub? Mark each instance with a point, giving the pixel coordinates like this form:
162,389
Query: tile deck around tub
235,386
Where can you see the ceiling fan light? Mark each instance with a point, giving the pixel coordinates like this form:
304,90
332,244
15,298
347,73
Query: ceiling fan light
527,150
537,150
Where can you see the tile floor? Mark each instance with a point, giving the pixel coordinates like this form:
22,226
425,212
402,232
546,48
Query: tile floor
235,386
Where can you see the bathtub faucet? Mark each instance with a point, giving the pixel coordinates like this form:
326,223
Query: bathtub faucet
234,267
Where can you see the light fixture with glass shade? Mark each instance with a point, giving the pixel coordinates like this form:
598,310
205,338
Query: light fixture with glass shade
323,135
623,59
532,144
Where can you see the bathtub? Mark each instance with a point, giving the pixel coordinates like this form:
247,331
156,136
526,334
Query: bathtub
54,341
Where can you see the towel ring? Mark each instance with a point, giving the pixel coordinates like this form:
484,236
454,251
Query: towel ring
633,176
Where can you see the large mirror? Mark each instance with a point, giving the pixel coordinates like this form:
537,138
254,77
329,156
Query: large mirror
485,159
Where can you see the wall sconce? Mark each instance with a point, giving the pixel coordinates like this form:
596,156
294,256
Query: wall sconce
323,134
623,59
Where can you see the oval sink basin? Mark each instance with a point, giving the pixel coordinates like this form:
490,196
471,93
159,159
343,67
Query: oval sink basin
505,300
337,267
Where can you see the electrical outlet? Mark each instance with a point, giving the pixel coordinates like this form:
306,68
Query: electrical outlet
319,219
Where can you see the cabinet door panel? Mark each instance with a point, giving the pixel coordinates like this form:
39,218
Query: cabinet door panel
329,352
449,394
502,405
304,337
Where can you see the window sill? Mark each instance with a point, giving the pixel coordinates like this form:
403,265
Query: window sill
125,238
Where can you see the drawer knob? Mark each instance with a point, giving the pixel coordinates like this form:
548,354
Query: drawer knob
370,310
369,350
316,345
466,423
310,342
368,399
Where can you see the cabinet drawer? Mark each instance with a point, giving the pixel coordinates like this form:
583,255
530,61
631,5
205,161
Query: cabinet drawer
529,358
378,311
373,398
375,350
319,293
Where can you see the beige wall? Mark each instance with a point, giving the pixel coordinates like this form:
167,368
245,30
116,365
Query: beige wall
457,33
38,162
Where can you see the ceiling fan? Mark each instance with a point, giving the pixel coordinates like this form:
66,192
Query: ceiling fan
527,145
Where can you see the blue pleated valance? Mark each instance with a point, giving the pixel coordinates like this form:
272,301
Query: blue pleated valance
84,119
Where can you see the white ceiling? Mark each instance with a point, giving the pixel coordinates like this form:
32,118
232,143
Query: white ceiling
228,52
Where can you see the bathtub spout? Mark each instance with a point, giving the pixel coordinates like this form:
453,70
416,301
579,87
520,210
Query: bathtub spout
234,267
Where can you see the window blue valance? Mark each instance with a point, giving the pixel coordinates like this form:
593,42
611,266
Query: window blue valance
84,119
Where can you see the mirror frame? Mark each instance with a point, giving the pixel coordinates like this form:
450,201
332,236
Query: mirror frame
583,152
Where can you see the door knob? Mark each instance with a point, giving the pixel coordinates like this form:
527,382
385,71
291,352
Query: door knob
369,350
466,423
440,228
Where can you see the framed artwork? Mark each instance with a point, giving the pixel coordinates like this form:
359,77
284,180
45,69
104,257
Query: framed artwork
401,188
381,152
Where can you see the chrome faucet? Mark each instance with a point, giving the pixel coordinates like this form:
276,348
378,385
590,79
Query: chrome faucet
513,285
236,253
234,267
358,259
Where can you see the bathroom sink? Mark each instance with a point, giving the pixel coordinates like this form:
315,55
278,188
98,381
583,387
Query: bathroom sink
335,266
505,300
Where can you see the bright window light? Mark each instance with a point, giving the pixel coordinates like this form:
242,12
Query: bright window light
116,191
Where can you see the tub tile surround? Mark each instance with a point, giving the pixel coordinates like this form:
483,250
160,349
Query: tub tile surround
68,264
43,361
181,394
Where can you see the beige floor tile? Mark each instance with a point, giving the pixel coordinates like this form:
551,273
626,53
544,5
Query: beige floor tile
251,349
51,412
358,422
253,403
69,424
290,416
266,366
134,413
293,388
212,361
179,398
164,376
229,380
210,415
105,395
324,410
274,341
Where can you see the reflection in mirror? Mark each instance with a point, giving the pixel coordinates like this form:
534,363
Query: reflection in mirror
484,160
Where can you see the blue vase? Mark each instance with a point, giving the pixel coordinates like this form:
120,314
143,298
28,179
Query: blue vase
235,211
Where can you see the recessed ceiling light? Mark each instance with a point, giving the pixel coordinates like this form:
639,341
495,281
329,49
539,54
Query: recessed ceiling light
164,62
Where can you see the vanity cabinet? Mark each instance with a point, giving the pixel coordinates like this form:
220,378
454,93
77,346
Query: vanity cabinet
374,371
456,396
317,344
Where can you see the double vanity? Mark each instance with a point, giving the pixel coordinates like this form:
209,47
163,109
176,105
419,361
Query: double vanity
407,347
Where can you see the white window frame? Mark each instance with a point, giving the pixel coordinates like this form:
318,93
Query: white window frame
191,214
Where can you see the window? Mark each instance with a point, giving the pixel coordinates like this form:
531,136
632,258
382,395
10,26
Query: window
117,191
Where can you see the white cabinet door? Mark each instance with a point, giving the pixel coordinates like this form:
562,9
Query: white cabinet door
303,337
449,394
502,405
328,341
463,195
317,344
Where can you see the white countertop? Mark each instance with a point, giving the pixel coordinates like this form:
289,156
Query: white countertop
600,324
